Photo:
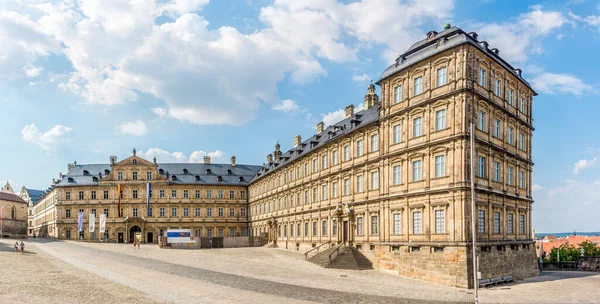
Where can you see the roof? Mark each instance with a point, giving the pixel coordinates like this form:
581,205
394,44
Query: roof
78,177
346,126
5,196
35,195
439,43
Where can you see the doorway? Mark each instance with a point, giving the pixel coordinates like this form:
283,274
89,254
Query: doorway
345,231
135,230
150,238
120,237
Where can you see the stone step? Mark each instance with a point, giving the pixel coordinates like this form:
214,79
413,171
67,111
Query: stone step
348,258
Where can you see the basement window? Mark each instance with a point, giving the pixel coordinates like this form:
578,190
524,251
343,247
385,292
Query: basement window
500,248
372,247
358,247
395,248
438,249
415,249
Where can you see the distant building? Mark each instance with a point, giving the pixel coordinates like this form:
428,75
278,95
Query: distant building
14,215
30,196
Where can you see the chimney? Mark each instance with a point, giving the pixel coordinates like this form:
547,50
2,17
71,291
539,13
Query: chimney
320,127
474,35
113,160
233,161
269,158
60,176
349,111
518,71
207,160
53,181
70,166
297,141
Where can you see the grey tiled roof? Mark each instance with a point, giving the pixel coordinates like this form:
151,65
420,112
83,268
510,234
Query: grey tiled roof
35,195
76,176
5,196
331,133
426,48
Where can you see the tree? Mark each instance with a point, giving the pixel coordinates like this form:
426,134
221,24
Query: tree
568,253
589,248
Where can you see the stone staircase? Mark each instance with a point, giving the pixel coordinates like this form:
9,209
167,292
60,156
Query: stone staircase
347,258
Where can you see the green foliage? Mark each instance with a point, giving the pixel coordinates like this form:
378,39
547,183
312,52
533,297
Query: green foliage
590,249
568,253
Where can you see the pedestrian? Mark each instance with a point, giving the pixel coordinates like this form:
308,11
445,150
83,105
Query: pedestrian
16,247
138,244
22,247
134,244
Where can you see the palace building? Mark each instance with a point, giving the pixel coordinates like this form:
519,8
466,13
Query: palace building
392,180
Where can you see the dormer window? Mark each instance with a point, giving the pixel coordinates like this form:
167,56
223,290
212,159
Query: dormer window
185,171
197,178
95,179
161,171
70,180
86,172
173,178
106,172
219,178
134,161
228,171
241,178
208,171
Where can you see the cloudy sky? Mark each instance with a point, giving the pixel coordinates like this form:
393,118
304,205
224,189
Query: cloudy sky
83,80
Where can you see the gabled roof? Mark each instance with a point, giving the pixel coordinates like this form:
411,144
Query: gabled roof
5,196
34,194
346,126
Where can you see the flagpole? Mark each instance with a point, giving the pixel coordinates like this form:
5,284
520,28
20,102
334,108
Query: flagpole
474,236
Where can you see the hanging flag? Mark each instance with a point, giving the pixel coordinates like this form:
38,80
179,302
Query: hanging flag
92,222
80,222
102,223
119,204
148,195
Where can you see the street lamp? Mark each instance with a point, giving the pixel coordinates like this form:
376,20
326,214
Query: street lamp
581,251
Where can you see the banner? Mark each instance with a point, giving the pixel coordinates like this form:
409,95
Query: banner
92,222
102,223
148,195
1,213
80,222
119,204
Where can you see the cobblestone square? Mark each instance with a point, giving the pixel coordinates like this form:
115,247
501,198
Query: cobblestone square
69,272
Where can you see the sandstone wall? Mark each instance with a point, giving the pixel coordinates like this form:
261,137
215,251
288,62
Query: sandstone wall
518,261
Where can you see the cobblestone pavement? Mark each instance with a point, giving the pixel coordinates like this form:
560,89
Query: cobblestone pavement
264,275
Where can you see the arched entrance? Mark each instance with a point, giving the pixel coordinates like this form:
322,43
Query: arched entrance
133,232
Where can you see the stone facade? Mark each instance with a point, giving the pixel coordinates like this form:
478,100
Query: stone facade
14,213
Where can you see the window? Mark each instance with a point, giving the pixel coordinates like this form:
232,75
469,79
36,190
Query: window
522,224
416,171
334,191
359,183
306,173
440,166
418,85
374,180
334,156
323,162
208,211
314,198
197,194
134,194
482,121
162,212
305,229
482,77
149,175
346,153
481,221
232,231
68,213
397,133
105,211
314,169
119,175
522,141
397,223
186,211
93,195
134,175
374,143
374,224
135,212
243,194
496,171
299,172
298,232
481,167
324,228
522,179
186,194
173,193
510,176
220,194
173,211
359,148
323,192
510,223
441,77
161,193
197,213
397,94
209,232
208,193
105,194
440,120
232,212
346,186
417,223
511,95
67,195
305,197
440,221
221,211
496,222
80,195
497,128
522,105
417,127
232,194
397,175
314,229
497,88
510,135
221,232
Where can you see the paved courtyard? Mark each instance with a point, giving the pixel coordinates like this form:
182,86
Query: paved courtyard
70,272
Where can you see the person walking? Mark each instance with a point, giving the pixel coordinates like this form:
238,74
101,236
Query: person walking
133,244
138,244
22,247
16,247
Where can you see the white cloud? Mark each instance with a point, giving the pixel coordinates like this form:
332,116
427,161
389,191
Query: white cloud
338,115
360,78
550,83
160,112
32,71
287,106
584,164
164,156
49,140
537,187
135,128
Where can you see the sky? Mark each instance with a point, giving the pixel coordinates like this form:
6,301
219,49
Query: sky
83,80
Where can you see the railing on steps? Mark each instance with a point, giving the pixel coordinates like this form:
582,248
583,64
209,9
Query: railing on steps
315,250
336,252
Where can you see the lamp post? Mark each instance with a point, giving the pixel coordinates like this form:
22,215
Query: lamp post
473,232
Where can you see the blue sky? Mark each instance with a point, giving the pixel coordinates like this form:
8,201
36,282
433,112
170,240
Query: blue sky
83,80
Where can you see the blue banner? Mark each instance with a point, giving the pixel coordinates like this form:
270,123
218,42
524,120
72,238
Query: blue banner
148,195
80,222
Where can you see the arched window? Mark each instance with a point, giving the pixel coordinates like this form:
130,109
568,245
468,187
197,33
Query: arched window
134,161
86,172
219,178
161,171
241,178
13,213
70,179
94,179
197,178
106,172
185,171
228,171
208,171
173,178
